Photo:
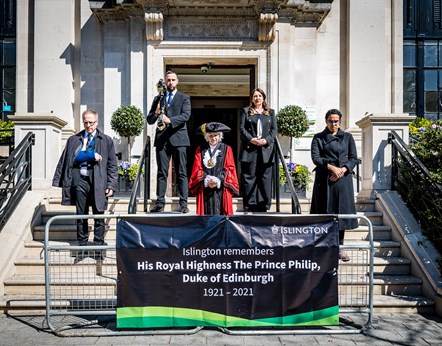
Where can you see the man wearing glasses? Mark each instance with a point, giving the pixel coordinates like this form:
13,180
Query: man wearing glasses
87,174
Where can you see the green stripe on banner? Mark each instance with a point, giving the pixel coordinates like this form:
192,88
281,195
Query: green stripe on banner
160,316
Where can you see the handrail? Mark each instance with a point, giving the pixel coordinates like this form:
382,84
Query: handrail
400,146
410,177
296,206
15,177
144,162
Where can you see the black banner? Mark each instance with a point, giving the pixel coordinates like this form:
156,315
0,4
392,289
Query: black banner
244,270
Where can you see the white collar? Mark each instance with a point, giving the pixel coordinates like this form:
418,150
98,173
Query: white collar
87,134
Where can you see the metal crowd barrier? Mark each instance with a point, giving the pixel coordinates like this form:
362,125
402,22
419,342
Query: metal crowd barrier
81,289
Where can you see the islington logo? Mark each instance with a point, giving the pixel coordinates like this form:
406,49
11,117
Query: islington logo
299,230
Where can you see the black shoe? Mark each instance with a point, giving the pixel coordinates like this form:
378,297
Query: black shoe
184,209
157,208
99,256
81,255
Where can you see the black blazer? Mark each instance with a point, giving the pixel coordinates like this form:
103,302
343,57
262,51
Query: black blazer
248,125
179,113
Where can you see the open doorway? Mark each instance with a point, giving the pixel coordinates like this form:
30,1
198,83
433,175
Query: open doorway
218,92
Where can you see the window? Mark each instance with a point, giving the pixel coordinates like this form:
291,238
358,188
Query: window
422,58
7,57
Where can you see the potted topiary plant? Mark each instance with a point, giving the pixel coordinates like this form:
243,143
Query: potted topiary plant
128,121
292,121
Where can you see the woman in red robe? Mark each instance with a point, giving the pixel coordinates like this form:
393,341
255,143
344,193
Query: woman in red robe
213,180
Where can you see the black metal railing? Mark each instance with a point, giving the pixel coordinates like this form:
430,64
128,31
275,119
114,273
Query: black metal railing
7,140
413,182
15,177
296,206
143,171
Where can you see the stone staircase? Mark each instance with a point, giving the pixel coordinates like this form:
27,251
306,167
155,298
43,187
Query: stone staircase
395,289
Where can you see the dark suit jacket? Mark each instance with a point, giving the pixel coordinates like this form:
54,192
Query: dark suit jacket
105,171
179,113
248,125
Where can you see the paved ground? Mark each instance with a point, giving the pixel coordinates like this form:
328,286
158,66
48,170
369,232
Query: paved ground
390,329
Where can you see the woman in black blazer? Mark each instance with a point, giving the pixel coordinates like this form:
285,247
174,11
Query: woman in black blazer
258,131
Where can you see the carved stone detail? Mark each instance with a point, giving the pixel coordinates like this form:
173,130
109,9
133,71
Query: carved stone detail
153,5
154,26
233,29
267,27
211,11
299,12
268,6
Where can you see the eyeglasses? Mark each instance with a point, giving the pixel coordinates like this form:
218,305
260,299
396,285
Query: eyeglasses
333,121
89,122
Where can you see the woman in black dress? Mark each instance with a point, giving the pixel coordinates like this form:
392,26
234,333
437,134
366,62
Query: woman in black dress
334,153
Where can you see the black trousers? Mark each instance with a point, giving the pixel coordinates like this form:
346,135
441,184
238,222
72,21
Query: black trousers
257,185
179,158
86,199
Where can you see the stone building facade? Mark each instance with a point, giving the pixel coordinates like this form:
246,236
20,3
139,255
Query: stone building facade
78,54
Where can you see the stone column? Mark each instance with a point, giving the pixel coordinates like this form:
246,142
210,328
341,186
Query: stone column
376,152
47,148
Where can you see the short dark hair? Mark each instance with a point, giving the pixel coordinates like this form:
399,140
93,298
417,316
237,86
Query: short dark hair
333,111
170,72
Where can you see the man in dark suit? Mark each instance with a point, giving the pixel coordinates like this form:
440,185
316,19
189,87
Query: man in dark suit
87,174
171,141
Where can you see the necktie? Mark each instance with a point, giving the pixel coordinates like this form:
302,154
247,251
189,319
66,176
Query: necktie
89,139
169,99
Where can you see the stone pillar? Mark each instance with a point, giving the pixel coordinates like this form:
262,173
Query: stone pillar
47,148
376,152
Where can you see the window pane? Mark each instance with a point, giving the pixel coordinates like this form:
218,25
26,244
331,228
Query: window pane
431,116
430,79
430,55
409,56
9,78
409,80
409,102
9,97
9,53
430,102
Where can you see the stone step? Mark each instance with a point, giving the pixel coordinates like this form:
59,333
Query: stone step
380,232
382,284
375,217
120,205
382,248
100,285
365,205
36,304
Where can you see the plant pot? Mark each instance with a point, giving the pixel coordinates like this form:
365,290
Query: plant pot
125,186
284,191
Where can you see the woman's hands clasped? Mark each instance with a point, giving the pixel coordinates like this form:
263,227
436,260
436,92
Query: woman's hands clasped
337,172
259,142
